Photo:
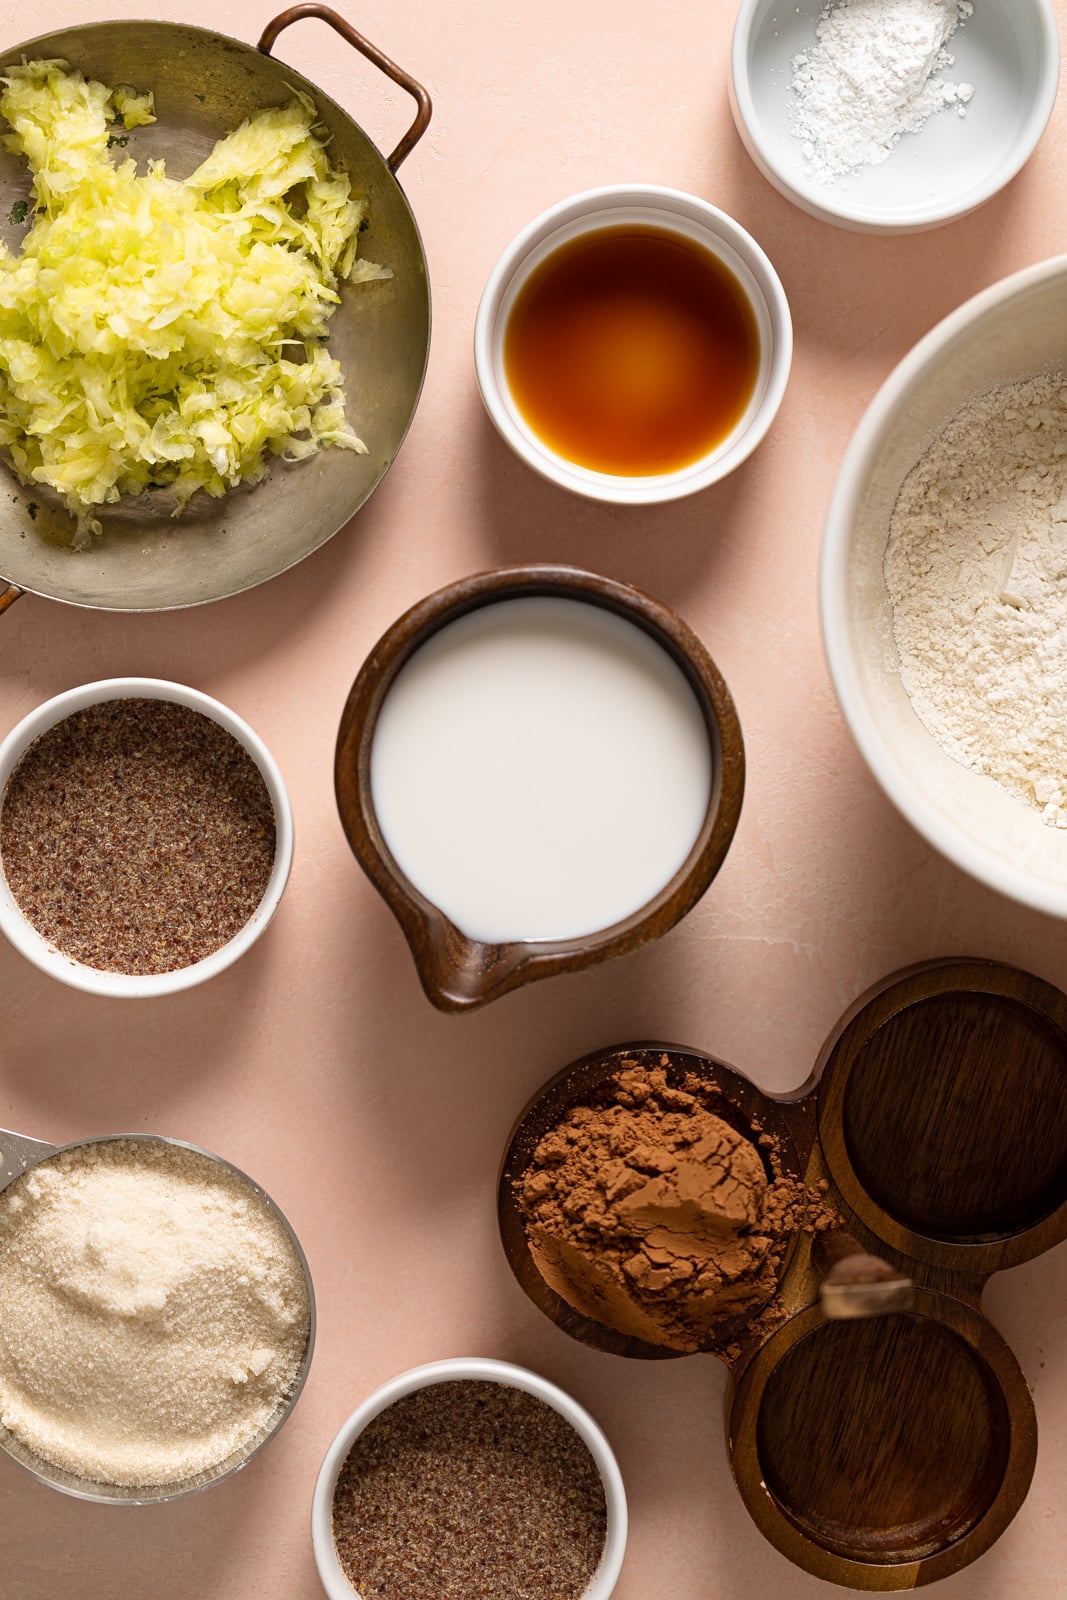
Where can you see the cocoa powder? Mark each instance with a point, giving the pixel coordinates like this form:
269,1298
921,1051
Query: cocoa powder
650,1214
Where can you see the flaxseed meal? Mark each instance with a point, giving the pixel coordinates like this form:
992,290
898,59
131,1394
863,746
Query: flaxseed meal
469,1490
137,836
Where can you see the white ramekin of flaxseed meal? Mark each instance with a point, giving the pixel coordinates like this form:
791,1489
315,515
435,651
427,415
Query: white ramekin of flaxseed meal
145,837
469,1476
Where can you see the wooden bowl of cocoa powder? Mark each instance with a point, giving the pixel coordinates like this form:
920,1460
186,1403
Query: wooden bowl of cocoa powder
610,1267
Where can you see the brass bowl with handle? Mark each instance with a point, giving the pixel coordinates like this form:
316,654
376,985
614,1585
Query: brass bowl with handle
205,85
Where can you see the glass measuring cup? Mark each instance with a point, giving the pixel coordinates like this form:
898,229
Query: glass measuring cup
19,1154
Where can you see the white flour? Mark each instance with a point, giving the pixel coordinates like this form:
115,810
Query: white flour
976,569
872,75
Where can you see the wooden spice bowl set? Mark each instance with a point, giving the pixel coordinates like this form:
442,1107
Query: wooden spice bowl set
881,1449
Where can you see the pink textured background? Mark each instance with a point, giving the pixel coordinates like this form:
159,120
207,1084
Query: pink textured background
316,1064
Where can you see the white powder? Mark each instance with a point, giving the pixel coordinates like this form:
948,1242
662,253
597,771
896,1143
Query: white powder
976,569
872,75
154,1312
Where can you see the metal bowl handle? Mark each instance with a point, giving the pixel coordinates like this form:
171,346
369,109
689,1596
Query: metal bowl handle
285,19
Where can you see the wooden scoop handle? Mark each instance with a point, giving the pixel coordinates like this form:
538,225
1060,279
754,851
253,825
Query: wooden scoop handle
855,1283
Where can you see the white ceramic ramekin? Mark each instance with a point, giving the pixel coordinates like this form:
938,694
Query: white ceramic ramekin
1008,51
120,985
331,1573
635,205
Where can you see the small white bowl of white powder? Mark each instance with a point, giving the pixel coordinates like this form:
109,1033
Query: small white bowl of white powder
890,116
944,586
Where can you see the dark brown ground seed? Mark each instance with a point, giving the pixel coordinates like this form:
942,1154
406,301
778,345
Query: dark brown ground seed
469,1490
137,836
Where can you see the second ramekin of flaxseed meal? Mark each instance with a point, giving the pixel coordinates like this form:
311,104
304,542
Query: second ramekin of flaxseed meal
145,837
469,1477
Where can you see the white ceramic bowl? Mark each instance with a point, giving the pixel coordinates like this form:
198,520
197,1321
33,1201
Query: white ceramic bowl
635,205
1011,331
1009,51
331,1572
118,985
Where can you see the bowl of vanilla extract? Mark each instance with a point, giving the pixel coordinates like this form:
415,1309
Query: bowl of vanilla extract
633,344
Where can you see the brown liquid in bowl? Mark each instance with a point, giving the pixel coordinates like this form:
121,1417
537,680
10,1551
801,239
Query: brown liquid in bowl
632,351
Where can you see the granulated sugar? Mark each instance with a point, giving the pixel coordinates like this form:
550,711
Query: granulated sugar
155,1312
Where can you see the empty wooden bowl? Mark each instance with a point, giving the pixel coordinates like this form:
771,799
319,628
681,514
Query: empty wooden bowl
943,1115
459,971
882,1434
885,1453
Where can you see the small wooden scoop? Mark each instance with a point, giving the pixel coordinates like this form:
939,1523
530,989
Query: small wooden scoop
855,1283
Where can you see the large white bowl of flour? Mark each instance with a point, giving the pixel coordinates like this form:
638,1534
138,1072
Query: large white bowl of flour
944,586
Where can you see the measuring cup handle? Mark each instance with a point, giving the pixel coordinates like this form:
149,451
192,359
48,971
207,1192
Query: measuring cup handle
285,19
855,1283
17,1152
